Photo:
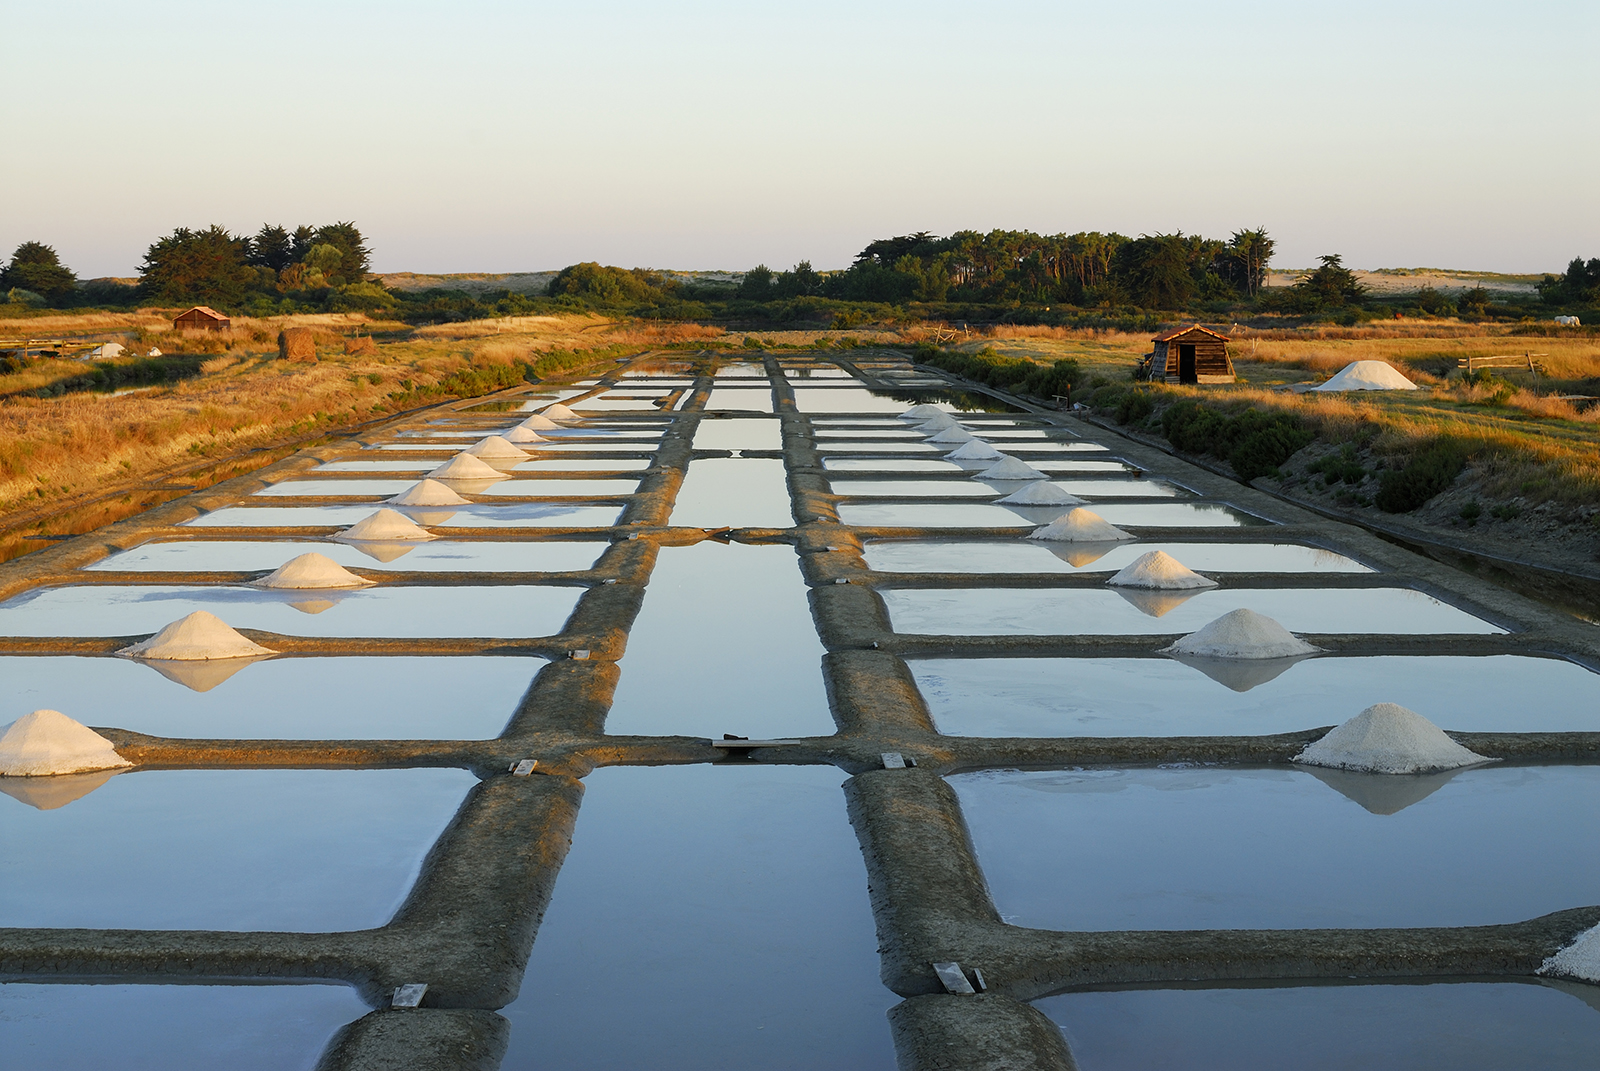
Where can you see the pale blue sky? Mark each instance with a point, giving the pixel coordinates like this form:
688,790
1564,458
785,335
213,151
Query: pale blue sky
495,136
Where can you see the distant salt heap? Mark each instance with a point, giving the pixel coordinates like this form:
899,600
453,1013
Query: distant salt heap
1158,569
1580,959
199,636
1040,493
1080,526
940,421
312,571
974,450
496,448
918,413
1388,738
1367,375
520,434
539,422
1242,634
466,467
952,436
47,742
428,493
383,526
560,414
1009,468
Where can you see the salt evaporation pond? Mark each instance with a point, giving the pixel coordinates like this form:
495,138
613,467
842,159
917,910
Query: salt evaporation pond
587,464
1164,697
691,899
131,610
543,556
323,698
164,1027
960,488
1237,848
334,488
1472,1026
846,446
748,399
417,464
1039,556
907,464
846,400
720,492
473,515
294,850
1077,612
739,433
724,644
561,488
974,515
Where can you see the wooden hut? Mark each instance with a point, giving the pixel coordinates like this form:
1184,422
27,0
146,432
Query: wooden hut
201,318
1190,354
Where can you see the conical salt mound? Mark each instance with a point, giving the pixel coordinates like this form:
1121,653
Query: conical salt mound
919,413
1080,526
496,447
1242,634
198,636
520,434
1040,493
311,571
1580,959
466,467
560,414
1367,375
952,437
975,450
539,422
1009,468
383,526
427,493
1388,738
937,423
1158,569
48,742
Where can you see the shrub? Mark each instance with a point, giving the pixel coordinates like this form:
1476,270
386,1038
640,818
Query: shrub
1135,405
1430,470
1342,466
1255,443
1016,374
1471,511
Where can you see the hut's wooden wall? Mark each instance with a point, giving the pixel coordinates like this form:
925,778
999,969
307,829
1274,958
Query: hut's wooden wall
1210,356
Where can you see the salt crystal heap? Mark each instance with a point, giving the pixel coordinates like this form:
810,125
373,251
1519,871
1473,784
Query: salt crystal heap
466,467
1080,526
1158,569
382,527
560,414
952,436
974,450
428,493
1009,468
1580,959
539,422
1242,634
47,742
199,636
521,434
940,421
1040,493
311,571
496,448
919,413
1367,375
1388,738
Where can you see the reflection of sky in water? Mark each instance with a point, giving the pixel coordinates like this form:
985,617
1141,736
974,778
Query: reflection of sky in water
433,555
846,400
1088,489
590,464
227,849
474,515
1162,697
753,400
739,433
1037,556
335,488
733,492
897,464
974,515
1243,848
652,893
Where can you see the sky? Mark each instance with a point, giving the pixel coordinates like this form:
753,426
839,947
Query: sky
488,136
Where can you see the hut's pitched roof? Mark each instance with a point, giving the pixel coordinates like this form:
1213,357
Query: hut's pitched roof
1168,336
204,310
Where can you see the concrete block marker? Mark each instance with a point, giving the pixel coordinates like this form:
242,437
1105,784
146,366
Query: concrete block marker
954,979
894,760
581,654
409,995
523,767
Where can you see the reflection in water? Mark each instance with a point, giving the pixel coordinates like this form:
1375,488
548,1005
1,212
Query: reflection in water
384,551
313,605
201,674
426,517
1078,555
1383,793
48,793
1156,602
1240,674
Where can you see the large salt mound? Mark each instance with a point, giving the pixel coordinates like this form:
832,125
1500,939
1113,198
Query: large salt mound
918,413
48,742
520,434
496,447
466,467
560,413
1080,526
937,423
383,526
975,450
1040,493
1242,634
539,422
1367,375
1580,959
1158,569
1009,468
427,493
952,436
1388,738
311,571
198,636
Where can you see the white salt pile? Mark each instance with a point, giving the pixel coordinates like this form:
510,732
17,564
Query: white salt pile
198,636
466,467
311,571
1158,569
428,493
1080,526
937,423
921,412
495,447
974,450
1009,468
383,526
539,422
952,436
1367,375
1388,738
1580,959
1242,634
560,414
520,434
47,742
1040,493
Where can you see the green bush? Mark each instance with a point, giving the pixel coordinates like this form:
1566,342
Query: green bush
1254,442
1135,406
1342,466
1471,511
1430,470
1016,374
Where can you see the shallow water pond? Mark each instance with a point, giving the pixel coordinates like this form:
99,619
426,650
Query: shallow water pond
301,850
429,555
334,488
416,464
561,488
585,464
715,875
846,400
974,515
473,515
1183,849
1163,697
1088,489
751,399
342,698
1463,1027
167,1027
898,464
1039,556
720,492
739,433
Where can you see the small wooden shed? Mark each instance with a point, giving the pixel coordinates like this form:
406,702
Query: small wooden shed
201,318
1190,354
